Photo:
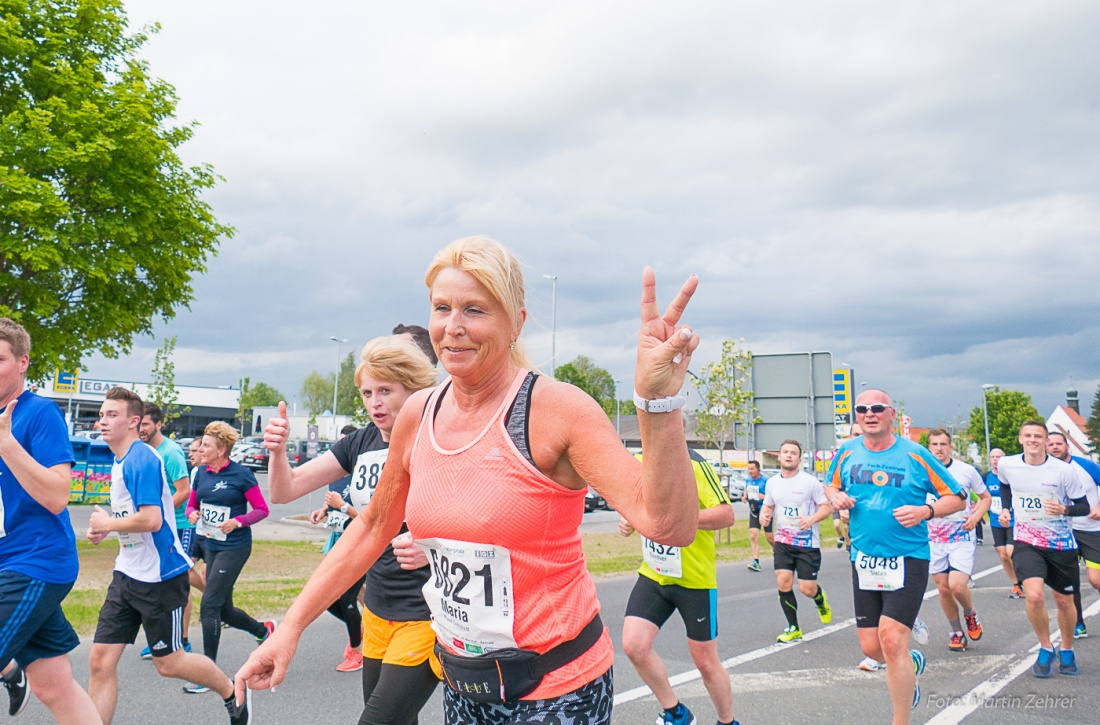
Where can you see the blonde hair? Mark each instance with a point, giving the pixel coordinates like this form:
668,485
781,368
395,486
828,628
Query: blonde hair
16,336
398,360
487,261
225,434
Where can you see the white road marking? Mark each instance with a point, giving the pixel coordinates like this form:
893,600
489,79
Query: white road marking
691,675
974,699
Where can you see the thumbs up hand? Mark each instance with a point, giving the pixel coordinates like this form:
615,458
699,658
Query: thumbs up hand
277,431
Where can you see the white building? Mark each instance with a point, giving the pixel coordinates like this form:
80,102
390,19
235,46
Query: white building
81,400
1067,420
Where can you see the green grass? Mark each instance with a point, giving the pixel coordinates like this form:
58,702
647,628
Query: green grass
277,570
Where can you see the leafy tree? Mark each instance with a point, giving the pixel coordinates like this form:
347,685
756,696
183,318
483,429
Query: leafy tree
1008,410
102,226
594,380
162,389
1093,424
347,398
255,396
727,401
316,393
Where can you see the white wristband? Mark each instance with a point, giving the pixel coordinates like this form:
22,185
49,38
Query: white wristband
659,405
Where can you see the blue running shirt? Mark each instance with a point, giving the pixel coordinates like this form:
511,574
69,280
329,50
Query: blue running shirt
880,481
33,541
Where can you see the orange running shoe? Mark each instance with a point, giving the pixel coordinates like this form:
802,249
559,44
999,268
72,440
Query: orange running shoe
973,627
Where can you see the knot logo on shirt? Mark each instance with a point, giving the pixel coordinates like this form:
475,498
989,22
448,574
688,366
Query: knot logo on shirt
221,486
876,478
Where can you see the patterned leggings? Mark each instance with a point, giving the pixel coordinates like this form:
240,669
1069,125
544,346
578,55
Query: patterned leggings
587,705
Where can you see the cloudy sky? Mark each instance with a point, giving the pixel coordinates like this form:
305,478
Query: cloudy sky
912,186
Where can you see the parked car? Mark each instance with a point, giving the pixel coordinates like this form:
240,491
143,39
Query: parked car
241,449
256,458
296,450
593,501
735,486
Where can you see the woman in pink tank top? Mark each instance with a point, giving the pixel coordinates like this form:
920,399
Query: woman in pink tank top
490,471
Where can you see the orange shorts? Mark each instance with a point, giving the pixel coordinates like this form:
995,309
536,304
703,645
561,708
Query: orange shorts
399,643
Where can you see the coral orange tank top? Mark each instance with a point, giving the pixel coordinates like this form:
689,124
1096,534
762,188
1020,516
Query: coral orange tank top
504,543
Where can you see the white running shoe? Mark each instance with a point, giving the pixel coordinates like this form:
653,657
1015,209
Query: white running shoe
869,664
920,631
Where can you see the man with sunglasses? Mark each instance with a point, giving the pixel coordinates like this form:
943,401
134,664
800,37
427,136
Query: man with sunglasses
884,481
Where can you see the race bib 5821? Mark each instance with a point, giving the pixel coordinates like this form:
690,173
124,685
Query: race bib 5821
470,595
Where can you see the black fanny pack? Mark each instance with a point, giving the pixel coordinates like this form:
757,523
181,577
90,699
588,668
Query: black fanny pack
509,674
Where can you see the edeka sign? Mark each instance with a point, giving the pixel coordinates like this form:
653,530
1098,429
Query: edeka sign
65,381
842,391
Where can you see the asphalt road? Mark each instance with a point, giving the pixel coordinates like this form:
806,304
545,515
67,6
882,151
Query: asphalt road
815,681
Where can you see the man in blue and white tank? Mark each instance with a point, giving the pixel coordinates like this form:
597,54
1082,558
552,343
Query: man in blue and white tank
149,587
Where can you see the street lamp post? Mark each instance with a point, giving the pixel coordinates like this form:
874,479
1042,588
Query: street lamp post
985,415
336,383
553,322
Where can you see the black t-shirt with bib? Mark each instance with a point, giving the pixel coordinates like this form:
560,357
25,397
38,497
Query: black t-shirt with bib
391,592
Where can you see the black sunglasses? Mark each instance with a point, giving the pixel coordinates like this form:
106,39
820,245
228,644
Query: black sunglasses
877,409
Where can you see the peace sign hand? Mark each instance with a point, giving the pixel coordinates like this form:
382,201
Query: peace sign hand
664,346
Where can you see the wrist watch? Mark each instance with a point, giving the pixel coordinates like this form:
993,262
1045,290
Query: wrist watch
659,405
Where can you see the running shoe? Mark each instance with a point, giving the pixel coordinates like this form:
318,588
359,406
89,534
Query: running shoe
919,662
353,660
840,543
825,611
17,691
870,664
973,627
194,689
1079,632
920,632
981,542
916,695
147,654
755,565
270,625
240,714
1067,662
678,715
957,643
788,635
1043,663
1017,592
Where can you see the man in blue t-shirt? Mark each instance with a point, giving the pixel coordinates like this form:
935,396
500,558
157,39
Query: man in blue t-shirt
753,495
885,482
1002,535
38,562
